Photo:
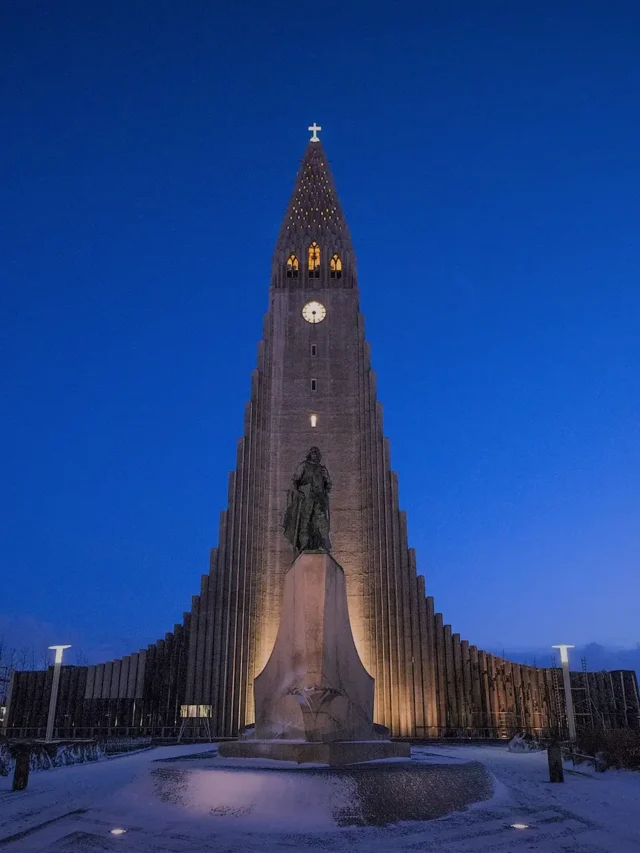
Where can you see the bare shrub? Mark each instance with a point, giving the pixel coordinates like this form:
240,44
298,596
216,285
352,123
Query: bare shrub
619,748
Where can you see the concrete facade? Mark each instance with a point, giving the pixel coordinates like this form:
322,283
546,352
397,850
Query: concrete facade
306,369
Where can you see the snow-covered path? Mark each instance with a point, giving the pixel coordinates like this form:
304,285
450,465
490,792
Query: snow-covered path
73,809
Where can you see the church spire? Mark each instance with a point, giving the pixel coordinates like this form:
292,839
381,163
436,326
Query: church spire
314,245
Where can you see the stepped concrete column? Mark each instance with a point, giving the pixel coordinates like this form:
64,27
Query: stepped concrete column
568,695
55,685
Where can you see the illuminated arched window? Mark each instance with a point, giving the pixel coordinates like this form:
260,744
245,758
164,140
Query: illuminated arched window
292,266
314,260
336,266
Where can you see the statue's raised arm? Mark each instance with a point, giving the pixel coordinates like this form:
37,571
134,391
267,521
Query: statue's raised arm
306,519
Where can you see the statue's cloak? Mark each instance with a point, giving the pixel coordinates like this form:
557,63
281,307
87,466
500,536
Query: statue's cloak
291,518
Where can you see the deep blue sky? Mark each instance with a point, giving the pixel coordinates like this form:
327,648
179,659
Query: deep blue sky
487,158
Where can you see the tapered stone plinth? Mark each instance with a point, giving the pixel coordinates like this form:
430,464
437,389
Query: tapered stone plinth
314,698
314,686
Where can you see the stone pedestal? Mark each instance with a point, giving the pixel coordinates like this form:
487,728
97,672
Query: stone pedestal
314,698
335,753
314,686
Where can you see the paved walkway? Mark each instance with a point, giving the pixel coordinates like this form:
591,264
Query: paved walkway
74,809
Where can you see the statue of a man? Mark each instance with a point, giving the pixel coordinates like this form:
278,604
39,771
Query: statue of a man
306,518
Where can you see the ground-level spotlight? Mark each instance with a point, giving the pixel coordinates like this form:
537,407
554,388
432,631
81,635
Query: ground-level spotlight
117,831
519,826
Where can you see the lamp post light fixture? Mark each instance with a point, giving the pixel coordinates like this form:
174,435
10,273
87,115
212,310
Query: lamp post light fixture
568,696
53,701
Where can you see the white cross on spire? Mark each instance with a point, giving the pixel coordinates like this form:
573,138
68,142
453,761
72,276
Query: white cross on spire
314,129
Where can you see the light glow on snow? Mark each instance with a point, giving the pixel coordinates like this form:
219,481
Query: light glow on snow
118,831
520,826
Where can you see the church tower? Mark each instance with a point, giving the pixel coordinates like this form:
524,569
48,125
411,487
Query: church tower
313,386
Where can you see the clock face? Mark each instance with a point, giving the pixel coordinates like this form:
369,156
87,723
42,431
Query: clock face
314,312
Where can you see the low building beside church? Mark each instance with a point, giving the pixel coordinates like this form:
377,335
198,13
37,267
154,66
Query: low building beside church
313,385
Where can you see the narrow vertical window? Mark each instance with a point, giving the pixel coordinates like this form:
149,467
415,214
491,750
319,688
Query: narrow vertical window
314,384
314,349
314,260
292,266
313,420
335,266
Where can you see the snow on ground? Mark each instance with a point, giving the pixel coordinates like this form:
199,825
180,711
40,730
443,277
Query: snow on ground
192,809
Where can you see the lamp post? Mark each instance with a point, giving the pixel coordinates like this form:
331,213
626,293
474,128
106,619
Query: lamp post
568,696
57,666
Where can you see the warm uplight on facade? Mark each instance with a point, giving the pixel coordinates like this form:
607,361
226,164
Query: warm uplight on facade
313,420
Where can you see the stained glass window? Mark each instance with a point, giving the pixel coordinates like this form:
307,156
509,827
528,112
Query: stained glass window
314,260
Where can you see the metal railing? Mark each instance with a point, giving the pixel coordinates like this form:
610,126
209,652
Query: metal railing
155,733
570,753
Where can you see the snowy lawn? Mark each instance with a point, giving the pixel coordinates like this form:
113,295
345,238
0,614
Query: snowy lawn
187,807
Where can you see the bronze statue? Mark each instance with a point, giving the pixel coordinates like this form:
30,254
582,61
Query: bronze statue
306,518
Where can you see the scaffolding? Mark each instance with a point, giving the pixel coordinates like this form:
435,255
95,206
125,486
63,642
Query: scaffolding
582,703
586,712
626,704
558,700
